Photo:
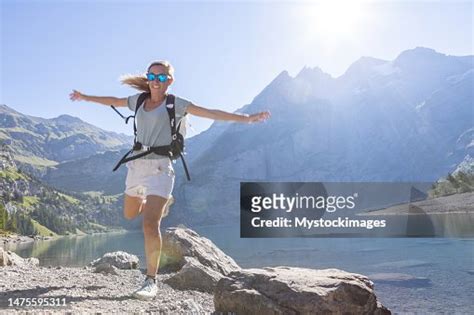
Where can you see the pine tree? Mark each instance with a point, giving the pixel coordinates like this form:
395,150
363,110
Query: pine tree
3,217
464,182
453,181
11,224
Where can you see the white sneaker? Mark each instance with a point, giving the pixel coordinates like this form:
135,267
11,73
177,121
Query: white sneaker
148,291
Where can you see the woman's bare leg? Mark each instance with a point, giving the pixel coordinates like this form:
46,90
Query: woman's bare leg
132,206
152,214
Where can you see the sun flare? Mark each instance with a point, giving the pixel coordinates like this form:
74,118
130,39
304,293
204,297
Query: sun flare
332,19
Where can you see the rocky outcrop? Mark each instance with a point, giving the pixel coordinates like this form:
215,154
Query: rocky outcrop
292,290
199,264
8,258
6,158
179,242
118,259
194,276
106,269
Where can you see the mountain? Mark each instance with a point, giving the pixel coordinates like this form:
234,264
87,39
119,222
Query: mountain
407,119
460,181
39,143
29,206
92,173
466,166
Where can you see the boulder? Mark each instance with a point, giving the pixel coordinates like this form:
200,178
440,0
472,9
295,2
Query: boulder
197,262
191,307
119,259
9,258
179,242
195,276
106,269
292,290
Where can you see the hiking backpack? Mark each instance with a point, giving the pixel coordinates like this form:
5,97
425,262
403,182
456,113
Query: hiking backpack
174,150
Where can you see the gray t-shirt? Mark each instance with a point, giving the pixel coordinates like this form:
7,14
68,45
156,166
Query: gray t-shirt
153,127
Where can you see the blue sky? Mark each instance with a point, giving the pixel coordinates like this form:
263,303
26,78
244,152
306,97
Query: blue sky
224,53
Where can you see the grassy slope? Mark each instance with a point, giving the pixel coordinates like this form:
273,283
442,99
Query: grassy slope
42,230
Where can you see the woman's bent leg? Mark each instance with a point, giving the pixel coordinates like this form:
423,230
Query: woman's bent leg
152,214
132,206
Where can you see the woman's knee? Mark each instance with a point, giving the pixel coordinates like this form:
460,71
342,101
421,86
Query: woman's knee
151,226
153,212
129,215
131,207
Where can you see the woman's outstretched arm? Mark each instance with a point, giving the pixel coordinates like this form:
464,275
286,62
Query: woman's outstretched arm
221,115
104,100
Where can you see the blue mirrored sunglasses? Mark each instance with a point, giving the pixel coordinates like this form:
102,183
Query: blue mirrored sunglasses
162,77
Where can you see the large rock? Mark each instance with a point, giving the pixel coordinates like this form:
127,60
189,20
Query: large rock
199,264
179,242
292,290
119,259
194,275
106,269
8,258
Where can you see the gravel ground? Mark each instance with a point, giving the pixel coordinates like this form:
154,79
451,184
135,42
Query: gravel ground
86,292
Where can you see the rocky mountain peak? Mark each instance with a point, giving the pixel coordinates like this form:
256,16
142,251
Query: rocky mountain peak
362,67
5,109
466,166
278,85
412,57
68,119
418,52
311,73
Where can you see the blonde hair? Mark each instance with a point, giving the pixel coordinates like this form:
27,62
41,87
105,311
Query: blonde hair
140,82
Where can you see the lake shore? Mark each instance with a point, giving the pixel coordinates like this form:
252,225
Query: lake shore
195,277
8,239
451,204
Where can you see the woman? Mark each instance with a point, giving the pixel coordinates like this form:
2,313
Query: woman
150,179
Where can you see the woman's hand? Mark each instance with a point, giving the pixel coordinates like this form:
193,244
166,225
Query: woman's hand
104,100
258,117
77,96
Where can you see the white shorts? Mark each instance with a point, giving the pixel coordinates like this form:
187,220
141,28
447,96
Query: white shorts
150,177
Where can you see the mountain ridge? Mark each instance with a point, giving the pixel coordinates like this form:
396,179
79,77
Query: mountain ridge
384,121
41,142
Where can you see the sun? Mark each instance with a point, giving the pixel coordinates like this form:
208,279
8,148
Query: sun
337,19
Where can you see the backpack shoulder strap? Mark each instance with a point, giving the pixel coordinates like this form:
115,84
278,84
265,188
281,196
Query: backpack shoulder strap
170,107
141,98
170,100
